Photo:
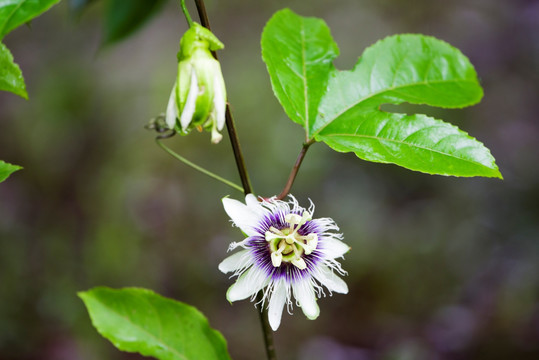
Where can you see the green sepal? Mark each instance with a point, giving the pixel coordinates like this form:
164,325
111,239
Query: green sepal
198,37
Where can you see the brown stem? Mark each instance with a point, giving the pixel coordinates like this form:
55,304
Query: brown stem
247,188
231,127
295,170
266,329
238,155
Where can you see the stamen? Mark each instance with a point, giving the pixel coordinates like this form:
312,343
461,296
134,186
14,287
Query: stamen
275,231
270,236
276,256
276,259
305,217
289,241
311,242
292,219
308,248
299,263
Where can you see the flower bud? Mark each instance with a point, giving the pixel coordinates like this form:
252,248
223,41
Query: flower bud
198,98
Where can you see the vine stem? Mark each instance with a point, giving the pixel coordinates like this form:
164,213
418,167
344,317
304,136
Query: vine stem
247,189
295,169
230,126
197,167
186,13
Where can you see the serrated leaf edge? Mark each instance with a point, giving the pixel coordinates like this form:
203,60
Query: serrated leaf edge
494,169
22,92
397,88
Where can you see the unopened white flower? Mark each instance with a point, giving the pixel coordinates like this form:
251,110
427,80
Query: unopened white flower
287,253
198,98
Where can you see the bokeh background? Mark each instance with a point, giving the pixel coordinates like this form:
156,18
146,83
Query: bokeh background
440,267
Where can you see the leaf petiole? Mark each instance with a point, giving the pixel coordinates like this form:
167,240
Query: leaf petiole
295,169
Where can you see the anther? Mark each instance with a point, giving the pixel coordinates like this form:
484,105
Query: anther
299,263
292,219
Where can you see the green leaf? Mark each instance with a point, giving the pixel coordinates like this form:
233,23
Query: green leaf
10,74
416,142
7,169
16,12
404,68
298,53
139,320
122,17
12,14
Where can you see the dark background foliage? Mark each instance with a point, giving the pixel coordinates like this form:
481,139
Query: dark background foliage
440,267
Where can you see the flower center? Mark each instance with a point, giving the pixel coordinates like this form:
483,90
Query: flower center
289,246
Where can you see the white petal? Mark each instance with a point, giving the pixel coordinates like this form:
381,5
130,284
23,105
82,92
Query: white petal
243,216
190,104
172,110
235,262
251,200
333,248
276,304
330,280
219,101
304,294
255,205
247,285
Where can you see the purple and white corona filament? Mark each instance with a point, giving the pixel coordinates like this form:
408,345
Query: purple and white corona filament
287,253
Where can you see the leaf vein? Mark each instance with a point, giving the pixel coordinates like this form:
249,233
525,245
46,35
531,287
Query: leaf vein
304,63
10,16
127,319
425,129
399,64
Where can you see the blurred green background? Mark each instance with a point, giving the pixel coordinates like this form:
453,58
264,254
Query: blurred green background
440,267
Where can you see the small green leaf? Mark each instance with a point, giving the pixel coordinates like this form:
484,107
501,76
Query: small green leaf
17,12
122,17
416,142
298,53
139,320
7,169
10,74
